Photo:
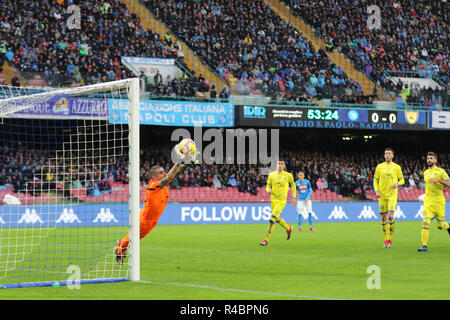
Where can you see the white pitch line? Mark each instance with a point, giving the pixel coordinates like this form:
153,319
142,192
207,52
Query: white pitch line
236,290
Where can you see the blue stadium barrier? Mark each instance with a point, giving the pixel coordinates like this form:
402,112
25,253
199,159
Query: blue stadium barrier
198,213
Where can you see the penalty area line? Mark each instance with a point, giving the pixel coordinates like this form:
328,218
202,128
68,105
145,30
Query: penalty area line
177,284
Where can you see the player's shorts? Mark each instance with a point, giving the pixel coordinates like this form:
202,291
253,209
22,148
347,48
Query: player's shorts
387,204
303,208
277,207
433,210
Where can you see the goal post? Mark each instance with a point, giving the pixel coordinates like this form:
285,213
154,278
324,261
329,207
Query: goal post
69,185
134,119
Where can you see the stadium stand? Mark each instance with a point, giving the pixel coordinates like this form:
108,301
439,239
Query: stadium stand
57,56
412,36
250,46
334,177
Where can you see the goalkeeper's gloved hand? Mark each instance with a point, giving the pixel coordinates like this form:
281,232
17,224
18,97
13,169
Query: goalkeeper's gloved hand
185,158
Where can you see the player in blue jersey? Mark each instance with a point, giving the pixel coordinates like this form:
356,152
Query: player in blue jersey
304,205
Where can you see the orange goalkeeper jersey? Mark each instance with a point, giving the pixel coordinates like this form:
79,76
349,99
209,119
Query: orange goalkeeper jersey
156,199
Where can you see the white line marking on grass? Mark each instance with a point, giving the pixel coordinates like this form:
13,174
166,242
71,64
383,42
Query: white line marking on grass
236,290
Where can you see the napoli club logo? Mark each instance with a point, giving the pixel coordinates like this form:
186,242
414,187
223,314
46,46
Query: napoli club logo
222,119
353,115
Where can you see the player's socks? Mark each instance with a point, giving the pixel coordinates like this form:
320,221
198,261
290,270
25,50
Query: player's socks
391,229
269,232
284,224
310,220
385,230
299,219
424,234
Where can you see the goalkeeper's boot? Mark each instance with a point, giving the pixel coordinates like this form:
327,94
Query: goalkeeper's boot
264,242
121,253
288,232
423,249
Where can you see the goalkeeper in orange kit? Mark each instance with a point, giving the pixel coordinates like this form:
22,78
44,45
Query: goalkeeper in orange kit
156,198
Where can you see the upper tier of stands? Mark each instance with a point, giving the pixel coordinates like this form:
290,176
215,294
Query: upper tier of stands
247,43
412,36
37,42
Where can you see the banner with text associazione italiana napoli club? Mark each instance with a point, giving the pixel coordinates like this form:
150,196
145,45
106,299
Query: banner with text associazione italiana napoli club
110,214
174,113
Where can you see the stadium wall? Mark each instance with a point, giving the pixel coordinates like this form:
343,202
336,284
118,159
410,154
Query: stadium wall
91,215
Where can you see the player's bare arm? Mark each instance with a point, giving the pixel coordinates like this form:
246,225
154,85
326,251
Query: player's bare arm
174,172
294,201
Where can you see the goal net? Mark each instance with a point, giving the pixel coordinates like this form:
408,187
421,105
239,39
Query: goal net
69,185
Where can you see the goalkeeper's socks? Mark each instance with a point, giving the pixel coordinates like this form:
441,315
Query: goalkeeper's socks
310,219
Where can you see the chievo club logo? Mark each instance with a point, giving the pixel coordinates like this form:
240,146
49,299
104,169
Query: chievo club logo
105,216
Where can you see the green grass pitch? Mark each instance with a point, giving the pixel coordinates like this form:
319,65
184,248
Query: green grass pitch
226,262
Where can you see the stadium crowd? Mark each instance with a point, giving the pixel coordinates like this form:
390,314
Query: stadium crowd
252,48
347,174
411,37
246,43
37,40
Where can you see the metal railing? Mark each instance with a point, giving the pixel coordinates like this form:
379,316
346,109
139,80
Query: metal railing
423,74
393,106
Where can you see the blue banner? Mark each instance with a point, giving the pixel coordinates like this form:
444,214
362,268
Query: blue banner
175,113
199,213
64,107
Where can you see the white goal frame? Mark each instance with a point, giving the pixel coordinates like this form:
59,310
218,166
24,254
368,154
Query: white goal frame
19,102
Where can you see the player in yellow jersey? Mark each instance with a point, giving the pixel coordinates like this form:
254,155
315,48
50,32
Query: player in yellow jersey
388,176
278,186
434,202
